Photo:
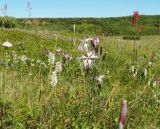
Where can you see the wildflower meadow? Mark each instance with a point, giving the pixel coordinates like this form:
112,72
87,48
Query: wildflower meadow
73,80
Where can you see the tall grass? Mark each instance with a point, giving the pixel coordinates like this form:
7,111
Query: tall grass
28,100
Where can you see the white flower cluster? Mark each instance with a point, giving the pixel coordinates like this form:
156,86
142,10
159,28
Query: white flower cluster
7,44
51,58
26,60
54,78
57,70
58,67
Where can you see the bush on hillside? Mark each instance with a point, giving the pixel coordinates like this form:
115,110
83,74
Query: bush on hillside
7,22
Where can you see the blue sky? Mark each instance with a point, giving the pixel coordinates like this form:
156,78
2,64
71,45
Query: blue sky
81,8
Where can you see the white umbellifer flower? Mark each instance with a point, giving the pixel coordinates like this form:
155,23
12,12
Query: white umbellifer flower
58,67
87,64
83,46
7,44
54,79
145,72
100,79
51,58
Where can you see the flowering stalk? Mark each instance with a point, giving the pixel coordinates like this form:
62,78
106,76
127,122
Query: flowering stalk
58,67
51,58
123,115
54,78
135,20
7,45
95,43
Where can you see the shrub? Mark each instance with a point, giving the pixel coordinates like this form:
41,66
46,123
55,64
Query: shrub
7,22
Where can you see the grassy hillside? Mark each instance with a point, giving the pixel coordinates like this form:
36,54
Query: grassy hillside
28,99
106,26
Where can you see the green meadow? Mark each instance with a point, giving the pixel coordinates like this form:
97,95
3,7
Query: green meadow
28,99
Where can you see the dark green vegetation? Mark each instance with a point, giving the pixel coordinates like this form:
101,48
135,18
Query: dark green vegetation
28,100
99,26
106,26
7,22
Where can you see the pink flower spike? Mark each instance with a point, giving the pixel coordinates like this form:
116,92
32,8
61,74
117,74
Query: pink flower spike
123,115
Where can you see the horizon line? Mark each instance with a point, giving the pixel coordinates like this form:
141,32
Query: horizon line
87,17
